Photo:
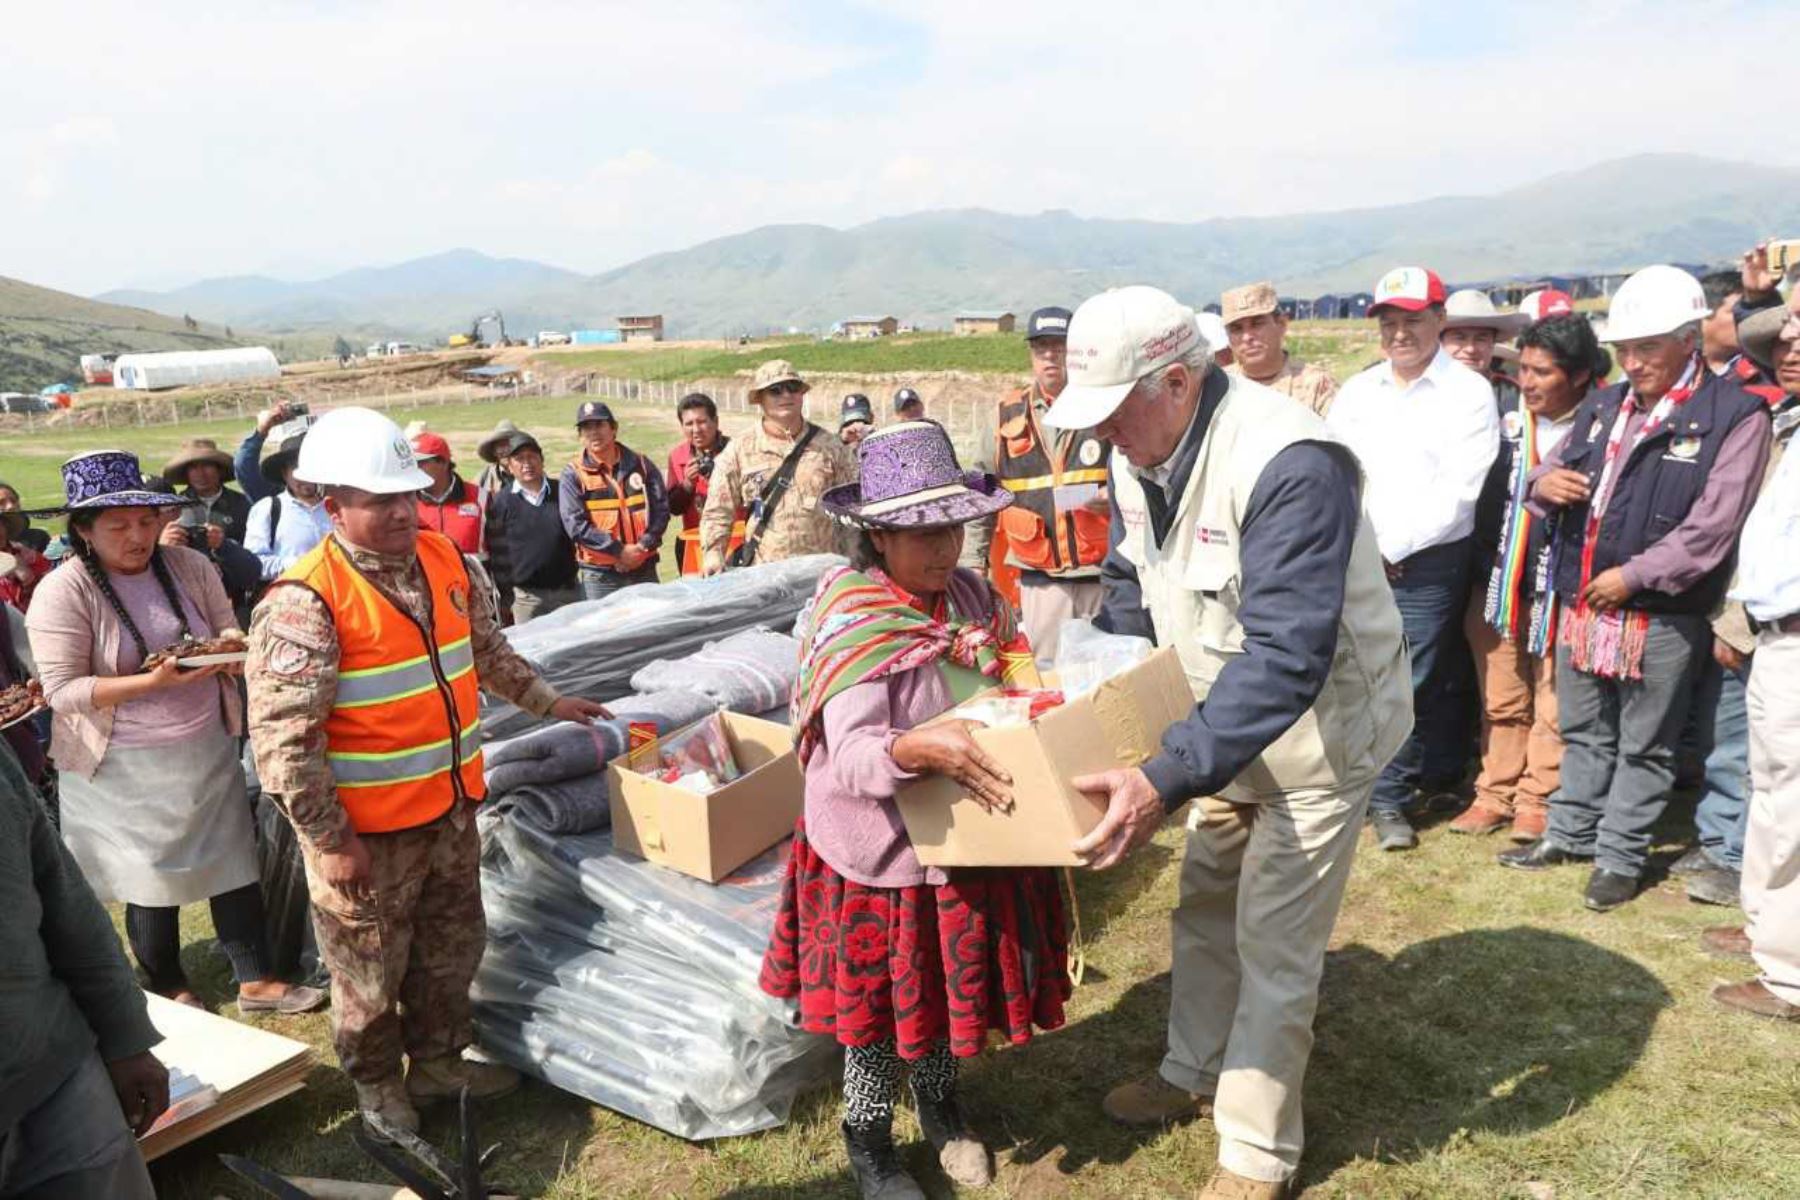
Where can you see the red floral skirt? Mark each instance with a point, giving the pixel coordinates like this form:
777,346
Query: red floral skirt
986,951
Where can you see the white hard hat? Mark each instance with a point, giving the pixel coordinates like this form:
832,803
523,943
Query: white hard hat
1655,301
359,448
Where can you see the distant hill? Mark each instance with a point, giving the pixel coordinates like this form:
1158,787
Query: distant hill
44,333
924,267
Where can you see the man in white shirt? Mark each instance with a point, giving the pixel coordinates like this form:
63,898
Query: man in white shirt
1426,431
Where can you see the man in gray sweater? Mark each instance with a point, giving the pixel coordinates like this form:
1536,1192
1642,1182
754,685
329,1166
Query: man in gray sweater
77,1079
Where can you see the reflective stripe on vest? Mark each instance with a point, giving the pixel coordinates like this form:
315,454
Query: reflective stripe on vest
1041,536
610,494
403,738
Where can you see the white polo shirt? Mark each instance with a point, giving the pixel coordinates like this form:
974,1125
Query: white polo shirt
1425,449
1768,570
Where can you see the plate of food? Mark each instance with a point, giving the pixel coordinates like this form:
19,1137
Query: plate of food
19,702
227,647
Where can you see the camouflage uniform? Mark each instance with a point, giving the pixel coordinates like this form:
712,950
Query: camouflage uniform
401,959
1304,382
800,525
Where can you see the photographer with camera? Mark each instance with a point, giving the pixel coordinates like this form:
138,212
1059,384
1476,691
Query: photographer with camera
247,462
690,470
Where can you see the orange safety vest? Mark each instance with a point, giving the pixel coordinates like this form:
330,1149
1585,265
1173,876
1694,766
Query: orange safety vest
1041,534
404,738
616,502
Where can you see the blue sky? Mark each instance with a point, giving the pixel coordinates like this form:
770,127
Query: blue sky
299,139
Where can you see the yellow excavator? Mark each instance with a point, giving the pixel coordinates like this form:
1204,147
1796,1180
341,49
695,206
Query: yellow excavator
474,338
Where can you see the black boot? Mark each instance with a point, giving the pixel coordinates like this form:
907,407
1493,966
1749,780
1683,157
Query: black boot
960,1152
876,1163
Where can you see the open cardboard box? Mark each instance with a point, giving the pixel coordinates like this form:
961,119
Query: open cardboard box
710,836
1118,724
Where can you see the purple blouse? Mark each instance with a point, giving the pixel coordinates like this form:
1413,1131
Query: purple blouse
175,714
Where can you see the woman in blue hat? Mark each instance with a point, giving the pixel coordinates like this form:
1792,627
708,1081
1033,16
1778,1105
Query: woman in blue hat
153,799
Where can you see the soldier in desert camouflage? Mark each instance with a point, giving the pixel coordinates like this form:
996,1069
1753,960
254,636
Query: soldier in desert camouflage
365,659
1258,331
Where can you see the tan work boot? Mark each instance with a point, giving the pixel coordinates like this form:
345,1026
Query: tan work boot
1153,1101
1226,1185
385,1104
434,1080
1481,818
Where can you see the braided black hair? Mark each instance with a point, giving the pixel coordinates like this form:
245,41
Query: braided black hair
97,572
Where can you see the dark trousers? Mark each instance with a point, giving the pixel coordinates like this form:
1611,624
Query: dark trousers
155,936
1721,713
597,583
1431,593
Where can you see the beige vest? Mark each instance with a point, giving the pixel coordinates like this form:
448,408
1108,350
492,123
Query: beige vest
1192,591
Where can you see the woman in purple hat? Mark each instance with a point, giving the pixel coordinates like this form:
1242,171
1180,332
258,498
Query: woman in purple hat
899,962
153,800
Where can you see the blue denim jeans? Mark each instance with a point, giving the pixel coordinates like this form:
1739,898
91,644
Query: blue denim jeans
1724,810
598,583
1431,595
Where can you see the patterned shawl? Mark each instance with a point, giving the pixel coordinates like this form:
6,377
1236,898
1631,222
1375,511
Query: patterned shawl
866,627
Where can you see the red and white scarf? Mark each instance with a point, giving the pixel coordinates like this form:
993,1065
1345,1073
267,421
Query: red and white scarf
1610,644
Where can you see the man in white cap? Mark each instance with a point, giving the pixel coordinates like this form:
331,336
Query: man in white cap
1474,329
1238,539
365,661
1650,489
1258,331
1426,431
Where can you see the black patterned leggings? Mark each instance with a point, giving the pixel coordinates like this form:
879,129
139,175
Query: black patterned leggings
155,936
872,1080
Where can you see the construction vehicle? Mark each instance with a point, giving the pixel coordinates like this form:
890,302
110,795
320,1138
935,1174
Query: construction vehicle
474,338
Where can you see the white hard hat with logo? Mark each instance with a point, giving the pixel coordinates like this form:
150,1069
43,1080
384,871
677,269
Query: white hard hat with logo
1655,301
359,448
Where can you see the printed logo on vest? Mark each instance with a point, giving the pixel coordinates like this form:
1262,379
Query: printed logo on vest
468,510
459,599
1511,426
1090,453
636,482
1211,537
1686,447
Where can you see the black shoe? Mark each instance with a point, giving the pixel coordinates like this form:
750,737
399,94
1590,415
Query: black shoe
960,1153
876,1164
1714,885
1538,856
1691,863
1606,890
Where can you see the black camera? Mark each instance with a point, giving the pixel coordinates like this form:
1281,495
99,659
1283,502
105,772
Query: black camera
705,465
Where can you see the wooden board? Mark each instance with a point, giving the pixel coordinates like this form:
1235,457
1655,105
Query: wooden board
248,1067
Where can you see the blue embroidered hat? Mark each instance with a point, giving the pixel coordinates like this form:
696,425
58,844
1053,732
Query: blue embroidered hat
911,480
107,479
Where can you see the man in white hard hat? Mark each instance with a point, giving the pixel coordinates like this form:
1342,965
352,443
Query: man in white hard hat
1238,539
365,660
1426,431
1258,331
1651,488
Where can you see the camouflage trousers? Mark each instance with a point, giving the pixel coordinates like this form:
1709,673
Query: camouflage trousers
402,958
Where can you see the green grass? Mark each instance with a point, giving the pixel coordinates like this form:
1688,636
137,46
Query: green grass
1478,1031
981,353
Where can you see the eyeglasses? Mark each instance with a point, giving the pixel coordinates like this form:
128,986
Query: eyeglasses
787,387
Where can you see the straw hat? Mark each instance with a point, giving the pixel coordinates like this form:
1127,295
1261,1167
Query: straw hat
198,450
1759,332
493,446
1471,309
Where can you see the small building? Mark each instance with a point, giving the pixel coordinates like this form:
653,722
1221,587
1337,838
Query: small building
870,327
983,322
194,368
596,337
641,329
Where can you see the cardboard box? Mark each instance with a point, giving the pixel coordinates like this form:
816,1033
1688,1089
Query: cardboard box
710,836
1119,724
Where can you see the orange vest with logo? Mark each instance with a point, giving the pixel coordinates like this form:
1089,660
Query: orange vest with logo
404,738
1048,528
616,503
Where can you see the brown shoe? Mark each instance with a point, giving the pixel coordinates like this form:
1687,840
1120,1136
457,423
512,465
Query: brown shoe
437,1079
1480,818
1726,941
1148,1103
1753,998
1224,1185
1530,822
385,1108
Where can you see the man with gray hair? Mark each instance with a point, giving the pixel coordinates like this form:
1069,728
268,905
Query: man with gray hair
1651,487
1238,539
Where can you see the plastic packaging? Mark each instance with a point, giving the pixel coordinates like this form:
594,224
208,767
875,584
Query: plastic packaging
1086,657
698,758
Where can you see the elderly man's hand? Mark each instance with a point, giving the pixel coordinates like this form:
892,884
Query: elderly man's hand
632,557
1134,812
574,708
142,1083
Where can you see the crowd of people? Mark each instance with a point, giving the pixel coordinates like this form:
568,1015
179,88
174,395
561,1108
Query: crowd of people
1525,574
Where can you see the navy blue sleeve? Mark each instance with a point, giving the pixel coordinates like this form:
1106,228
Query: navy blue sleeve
1294,551
1122,608
246,466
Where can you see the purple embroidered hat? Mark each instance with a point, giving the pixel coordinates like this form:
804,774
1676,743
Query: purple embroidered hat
911,480
107,479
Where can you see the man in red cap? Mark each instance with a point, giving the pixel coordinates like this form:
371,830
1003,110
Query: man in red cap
451,506
1426,431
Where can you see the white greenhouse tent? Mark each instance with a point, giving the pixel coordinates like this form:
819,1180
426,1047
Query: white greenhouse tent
190,368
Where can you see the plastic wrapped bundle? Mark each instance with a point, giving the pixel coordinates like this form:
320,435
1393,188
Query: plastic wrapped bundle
592,648
748,672
635,987
568,751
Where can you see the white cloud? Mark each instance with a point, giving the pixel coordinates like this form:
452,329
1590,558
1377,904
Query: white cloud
589,134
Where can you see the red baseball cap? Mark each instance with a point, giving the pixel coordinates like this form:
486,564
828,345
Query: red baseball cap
1408,288
1541,306
430,445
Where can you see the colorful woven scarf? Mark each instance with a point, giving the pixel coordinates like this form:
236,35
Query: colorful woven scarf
866,627
1506,590
1610,644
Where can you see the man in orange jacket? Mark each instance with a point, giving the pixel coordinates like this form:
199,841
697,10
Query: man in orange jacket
449,504
365,662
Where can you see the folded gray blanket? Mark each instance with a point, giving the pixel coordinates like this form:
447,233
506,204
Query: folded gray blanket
569,751
566,806
748,672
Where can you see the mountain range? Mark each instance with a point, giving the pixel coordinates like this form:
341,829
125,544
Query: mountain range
925,267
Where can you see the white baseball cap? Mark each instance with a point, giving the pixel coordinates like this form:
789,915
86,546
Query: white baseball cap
1115,339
